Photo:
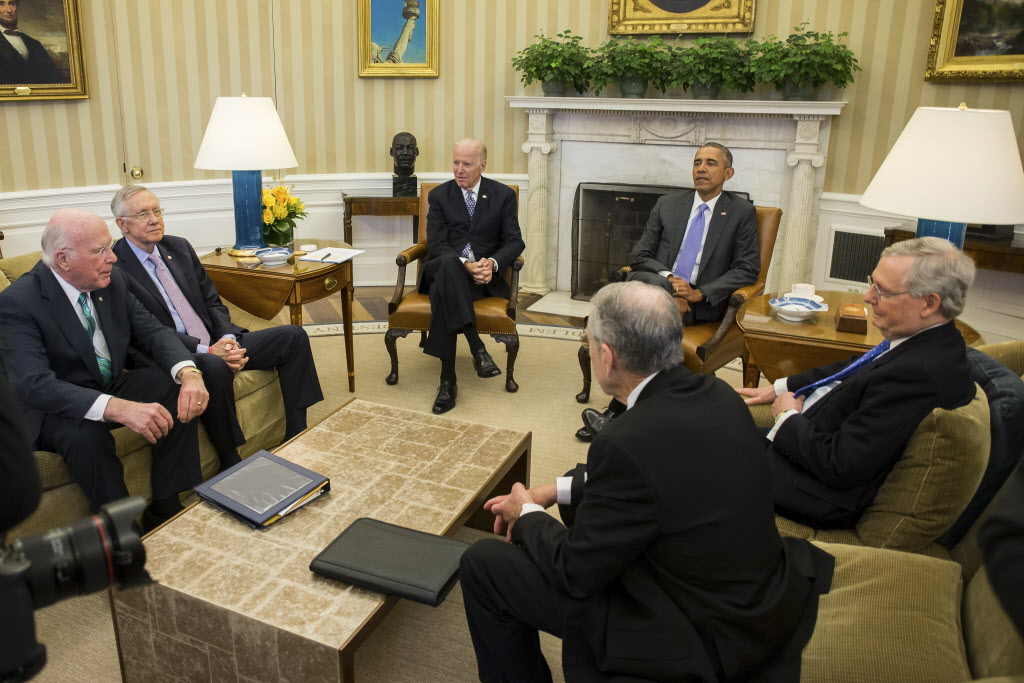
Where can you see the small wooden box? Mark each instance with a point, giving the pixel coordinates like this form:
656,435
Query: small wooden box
852,318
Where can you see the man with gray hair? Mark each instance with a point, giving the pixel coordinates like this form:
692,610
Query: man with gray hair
839,429
671,567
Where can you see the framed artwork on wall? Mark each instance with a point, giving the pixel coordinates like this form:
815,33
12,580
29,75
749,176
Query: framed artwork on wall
977,40
680,16
40,51
398,38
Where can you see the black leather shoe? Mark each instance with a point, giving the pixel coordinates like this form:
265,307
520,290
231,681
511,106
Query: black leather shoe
584,435
593,423
445,400
151,520
485,365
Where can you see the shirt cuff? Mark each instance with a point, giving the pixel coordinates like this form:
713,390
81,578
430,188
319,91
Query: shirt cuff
99,406
664,273
563,487
202,349
778,422
781,386
530,507
177,368
494,262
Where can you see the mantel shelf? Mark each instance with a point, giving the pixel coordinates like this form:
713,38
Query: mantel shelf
620,105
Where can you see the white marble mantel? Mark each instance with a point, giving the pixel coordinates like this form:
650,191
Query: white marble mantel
780,149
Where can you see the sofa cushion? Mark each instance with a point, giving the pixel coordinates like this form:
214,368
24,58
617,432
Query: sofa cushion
16,266
994,647
4,282
889,616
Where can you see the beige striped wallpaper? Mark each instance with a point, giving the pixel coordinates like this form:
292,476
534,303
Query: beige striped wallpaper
155,68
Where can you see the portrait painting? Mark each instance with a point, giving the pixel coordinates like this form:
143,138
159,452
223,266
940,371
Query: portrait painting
398,38
680,16
977,40
40,50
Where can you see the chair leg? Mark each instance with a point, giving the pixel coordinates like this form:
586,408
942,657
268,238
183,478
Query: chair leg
584,357
423,338
389,342
511,342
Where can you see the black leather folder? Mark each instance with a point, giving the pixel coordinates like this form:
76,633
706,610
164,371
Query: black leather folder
393,559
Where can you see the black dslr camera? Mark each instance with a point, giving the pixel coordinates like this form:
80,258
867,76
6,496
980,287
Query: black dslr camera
78,559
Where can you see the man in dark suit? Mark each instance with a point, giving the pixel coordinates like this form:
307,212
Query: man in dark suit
188,303
840,428
1002,541
671,567
472,232
23,59
67,325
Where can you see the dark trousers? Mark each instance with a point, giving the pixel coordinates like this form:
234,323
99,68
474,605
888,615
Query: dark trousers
89,451
507,601
452,293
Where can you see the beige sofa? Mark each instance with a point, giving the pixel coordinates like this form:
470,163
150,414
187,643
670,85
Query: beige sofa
260,414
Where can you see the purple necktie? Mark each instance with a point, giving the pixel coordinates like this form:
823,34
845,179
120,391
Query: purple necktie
687,258
194,327
847,371
467,251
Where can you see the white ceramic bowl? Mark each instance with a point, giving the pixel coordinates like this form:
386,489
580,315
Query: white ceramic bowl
795,309
812,297
274,256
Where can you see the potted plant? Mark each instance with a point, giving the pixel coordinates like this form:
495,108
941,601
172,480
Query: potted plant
557,64
803,61
710,64
633,65
280,211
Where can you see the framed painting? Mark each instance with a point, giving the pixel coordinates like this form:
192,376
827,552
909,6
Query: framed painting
977,40
398,38
40,50
681,16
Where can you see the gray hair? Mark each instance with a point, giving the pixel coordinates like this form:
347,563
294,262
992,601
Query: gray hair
642,324
57,235
119,204
939,267
479,144
725,150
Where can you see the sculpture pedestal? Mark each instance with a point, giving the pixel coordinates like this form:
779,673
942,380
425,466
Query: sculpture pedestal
403,186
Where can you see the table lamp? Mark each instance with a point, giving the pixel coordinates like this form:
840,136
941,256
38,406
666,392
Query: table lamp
244,136
951,167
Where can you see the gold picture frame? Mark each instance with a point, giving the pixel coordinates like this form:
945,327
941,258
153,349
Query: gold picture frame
382,36
680,16
53,69
952,52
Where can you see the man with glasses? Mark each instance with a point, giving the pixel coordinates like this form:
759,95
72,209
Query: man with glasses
67,325
166,276
839,429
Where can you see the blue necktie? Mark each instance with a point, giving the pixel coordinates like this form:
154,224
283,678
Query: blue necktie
90,326
847,371
687,258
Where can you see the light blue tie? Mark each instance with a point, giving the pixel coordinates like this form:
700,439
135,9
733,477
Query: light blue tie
90,326
687,258
847,371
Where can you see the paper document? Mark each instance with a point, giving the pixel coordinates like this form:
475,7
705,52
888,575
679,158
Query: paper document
331,255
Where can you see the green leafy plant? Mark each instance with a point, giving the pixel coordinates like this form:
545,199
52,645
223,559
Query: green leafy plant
630,58
564,60
808,58
712,61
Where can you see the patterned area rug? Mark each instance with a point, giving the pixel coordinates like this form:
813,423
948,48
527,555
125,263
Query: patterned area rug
380,327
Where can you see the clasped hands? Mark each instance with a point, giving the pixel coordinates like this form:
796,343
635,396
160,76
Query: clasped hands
506,509
151,420
233,354
482,271
780,404
683,293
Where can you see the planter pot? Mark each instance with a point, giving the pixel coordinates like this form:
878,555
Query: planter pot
632,86
797,92
706,91
553,88
279,234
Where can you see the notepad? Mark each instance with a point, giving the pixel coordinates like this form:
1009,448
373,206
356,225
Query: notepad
331,255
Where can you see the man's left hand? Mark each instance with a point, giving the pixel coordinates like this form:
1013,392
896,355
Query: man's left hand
193,398
683,290
483,271
787,401
506,508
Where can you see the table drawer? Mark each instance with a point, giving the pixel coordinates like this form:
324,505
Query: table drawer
318,288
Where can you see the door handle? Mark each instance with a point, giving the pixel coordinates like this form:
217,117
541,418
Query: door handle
135,172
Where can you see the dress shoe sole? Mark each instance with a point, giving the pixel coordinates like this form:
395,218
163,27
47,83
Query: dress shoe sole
584,435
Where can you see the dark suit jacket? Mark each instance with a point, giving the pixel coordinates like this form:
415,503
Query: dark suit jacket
493,231
828,463
49,356
673,554
181,260
1002,540
37,69
732,254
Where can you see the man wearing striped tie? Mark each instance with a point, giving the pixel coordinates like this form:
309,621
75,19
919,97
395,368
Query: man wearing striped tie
66,327
839,429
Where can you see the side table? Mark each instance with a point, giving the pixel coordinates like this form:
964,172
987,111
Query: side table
1006,255
382,206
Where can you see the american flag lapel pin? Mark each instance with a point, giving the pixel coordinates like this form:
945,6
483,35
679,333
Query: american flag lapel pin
483,196
100,298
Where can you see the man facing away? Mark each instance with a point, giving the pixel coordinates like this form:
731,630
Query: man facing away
839,429
167,278
67,325
472,232
23,59
671,567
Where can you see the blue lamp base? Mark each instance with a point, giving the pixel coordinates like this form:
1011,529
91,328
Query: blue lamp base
248,209
954,232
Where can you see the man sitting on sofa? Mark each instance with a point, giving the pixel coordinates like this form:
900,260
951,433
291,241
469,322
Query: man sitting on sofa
67,325
165,275
839,429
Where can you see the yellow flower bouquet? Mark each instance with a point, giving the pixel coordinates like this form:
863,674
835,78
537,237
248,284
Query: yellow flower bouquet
280,211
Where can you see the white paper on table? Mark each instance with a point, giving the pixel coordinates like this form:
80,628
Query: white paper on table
331,255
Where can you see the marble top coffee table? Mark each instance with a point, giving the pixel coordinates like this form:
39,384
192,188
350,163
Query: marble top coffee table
233,603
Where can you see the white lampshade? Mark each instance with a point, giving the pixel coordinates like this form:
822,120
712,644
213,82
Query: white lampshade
959,165
245,134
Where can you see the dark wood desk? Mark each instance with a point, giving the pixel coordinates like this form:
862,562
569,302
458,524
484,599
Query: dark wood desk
382,206
1004,255
264,291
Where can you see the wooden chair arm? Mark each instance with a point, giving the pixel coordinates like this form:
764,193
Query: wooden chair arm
737,299
620,275
744,294
413,253
513,297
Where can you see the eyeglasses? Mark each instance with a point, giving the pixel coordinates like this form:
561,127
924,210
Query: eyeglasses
144,215
98,251
882,294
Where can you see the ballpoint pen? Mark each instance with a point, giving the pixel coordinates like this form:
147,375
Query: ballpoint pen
326,256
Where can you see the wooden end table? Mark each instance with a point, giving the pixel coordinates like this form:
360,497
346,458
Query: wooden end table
780,348
1006,255
382,206
264,290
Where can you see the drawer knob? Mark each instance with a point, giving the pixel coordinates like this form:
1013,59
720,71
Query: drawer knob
330,283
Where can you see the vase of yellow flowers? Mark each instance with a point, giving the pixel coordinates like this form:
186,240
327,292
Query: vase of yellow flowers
280,211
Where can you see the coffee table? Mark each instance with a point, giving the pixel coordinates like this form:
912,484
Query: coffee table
780,348
234,603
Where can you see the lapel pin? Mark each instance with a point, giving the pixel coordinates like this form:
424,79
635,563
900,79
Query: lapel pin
100,298
169,257
724,214
483,196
